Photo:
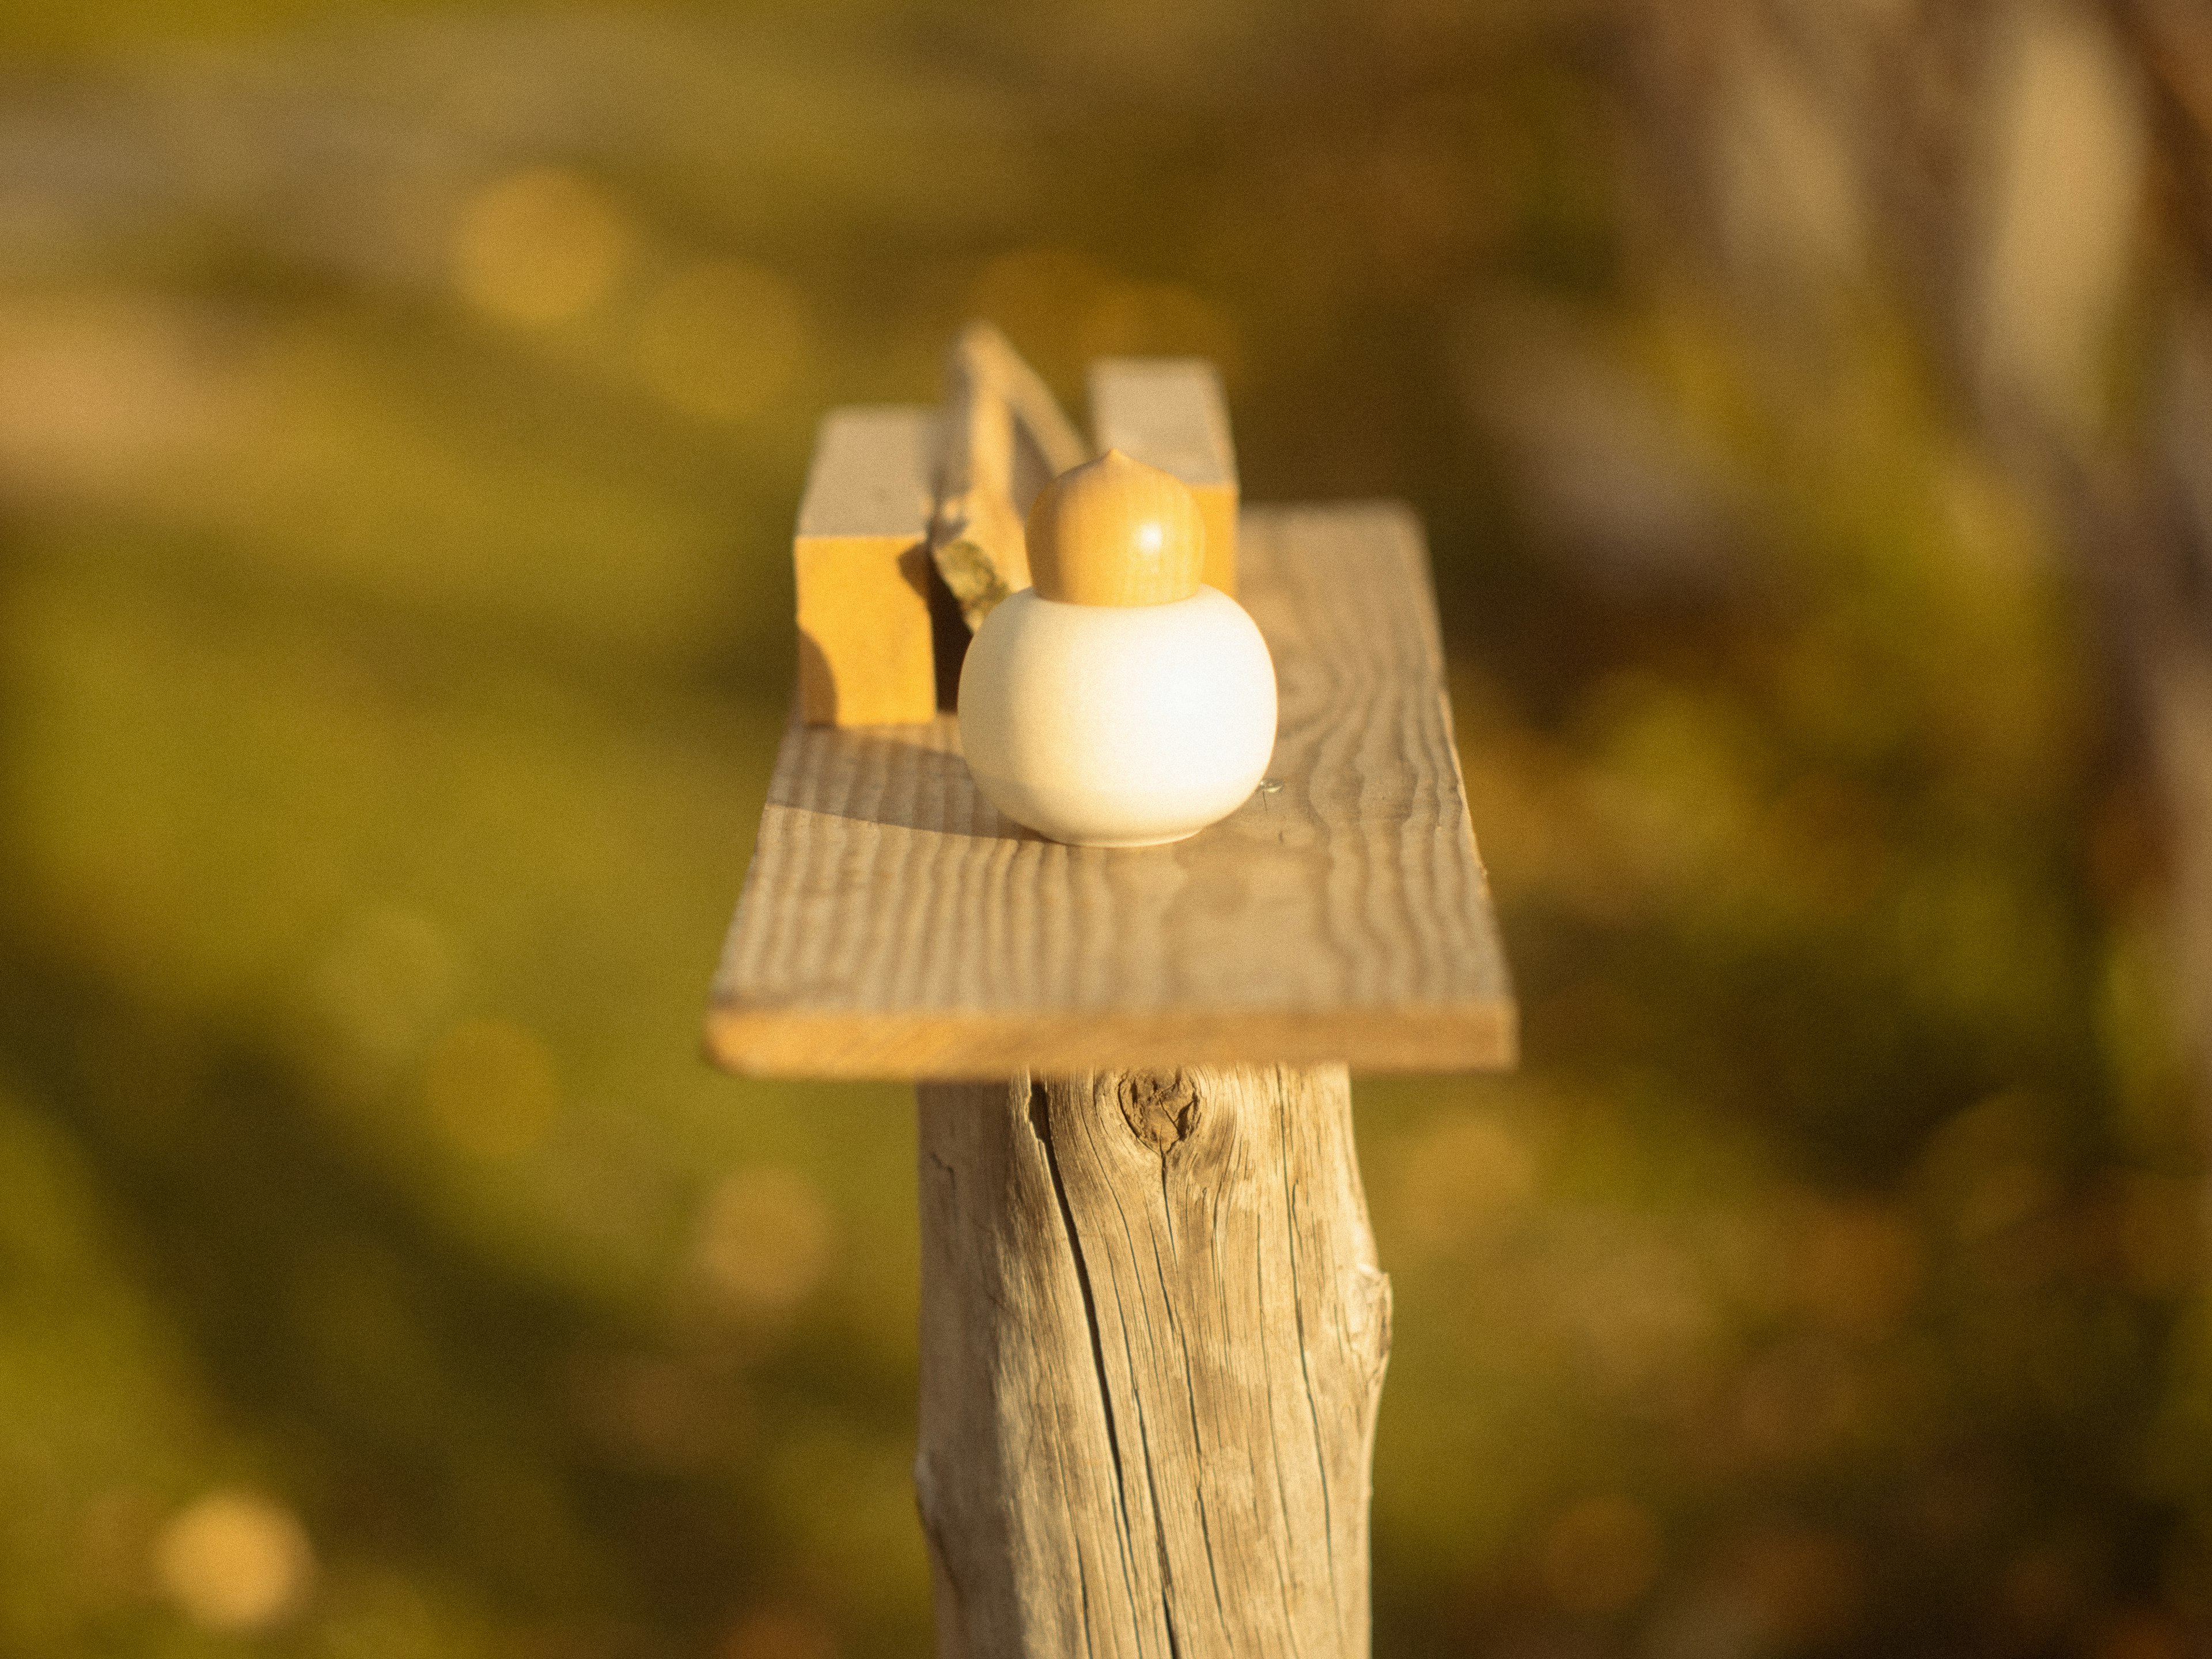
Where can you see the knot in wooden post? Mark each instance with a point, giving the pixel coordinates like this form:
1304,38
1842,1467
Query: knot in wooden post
1161,1110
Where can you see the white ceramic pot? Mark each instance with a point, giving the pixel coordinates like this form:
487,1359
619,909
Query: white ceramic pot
1118,726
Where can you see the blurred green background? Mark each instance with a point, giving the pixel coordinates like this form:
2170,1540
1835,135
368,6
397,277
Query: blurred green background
401,414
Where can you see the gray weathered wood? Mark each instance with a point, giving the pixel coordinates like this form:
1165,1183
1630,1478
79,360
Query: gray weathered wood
893,925
1154,1337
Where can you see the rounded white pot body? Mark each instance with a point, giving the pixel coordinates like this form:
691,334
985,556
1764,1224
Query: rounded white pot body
1118,726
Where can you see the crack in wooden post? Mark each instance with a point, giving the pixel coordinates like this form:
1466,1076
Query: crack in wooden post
1248,1364
1041,1125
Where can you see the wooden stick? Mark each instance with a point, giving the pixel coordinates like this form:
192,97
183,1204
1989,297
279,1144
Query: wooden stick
993,400
989,355
1153,1343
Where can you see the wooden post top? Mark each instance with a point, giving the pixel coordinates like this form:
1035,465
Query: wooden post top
894,926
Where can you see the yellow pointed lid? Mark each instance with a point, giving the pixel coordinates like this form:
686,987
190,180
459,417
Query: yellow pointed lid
1116,531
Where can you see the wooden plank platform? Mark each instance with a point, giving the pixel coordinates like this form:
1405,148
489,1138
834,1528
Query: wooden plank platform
894,926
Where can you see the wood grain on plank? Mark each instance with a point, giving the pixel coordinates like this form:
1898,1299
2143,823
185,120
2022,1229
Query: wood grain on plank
1153,1335
893,925
862,570
1171,413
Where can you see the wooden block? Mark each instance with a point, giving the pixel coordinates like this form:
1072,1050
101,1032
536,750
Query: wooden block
1169,412
893,925
862,562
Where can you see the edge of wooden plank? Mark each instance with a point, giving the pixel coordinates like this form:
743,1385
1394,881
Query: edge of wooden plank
950,1046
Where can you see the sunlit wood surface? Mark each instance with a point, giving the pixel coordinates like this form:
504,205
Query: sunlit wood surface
893,925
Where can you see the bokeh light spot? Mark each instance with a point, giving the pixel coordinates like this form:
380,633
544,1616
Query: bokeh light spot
540,246
234,1562
95,393
764,1240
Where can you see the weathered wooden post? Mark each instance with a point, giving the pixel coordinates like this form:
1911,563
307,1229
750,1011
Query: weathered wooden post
1153,1325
